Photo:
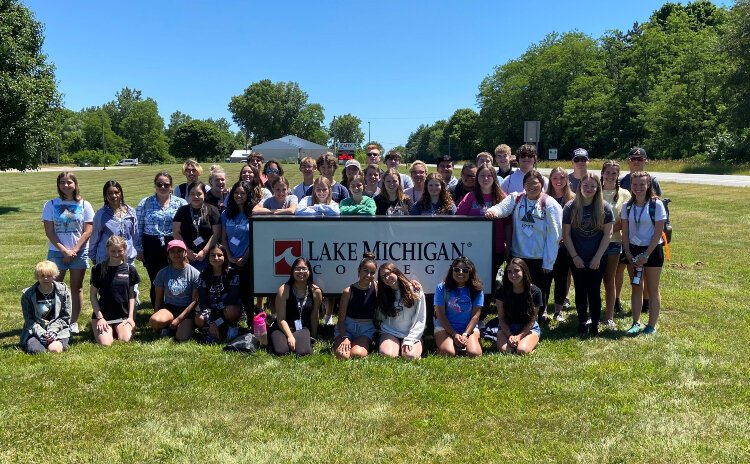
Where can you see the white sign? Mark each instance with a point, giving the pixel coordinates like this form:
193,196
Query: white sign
552,153
347,146
422,247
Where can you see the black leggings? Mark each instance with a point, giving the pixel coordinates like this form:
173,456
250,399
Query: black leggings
541,279
588,285
560,275
154,258
302,345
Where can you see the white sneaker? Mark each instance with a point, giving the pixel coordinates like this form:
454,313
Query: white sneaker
610,324
328,320
559,317
588,321
74,328
232,333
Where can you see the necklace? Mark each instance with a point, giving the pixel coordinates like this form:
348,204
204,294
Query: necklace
47,296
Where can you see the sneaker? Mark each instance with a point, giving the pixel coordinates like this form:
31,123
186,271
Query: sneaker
588,321
543,318
649,330
566,304
634,329
232,333
74,328
328,320
618,306
559,317
610,324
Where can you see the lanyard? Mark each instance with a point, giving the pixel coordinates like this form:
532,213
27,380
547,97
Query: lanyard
300,304
637,219
196,220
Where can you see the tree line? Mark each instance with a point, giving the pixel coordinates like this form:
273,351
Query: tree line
678,84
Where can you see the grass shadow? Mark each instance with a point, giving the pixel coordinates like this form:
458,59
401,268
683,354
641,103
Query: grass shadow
9,209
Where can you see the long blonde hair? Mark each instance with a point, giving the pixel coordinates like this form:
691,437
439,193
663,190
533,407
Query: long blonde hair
325,182
597,204
567,194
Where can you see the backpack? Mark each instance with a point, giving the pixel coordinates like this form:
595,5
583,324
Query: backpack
652,214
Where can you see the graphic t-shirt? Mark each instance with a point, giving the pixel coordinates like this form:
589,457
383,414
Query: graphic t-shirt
45,305
178,284
68,218
586,239
114,289
458,305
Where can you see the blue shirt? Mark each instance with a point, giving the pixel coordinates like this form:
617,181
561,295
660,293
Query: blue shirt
153,220
107,224
458,305
237,231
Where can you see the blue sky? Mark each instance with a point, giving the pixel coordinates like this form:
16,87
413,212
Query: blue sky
396,64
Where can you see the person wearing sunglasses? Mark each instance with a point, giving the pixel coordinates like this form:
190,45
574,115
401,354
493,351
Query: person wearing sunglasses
155,215
580,168
637,160
458,305
355,328
526,162
273,171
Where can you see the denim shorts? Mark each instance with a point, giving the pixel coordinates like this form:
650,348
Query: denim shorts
614,249
81,261
357,328
439,327
515,329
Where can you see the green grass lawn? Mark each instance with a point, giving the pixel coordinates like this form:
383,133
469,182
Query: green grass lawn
682,395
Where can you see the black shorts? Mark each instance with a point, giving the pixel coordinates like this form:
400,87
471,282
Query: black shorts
174,309
656,259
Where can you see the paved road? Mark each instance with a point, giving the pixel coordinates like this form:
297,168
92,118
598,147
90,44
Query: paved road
677,177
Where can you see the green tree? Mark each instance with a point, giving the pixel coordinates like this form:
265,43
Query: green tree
348,129
143,127
199,140
737,46
462,132
418,142
309,124
93,121
268,110
28,92
176,119
119,108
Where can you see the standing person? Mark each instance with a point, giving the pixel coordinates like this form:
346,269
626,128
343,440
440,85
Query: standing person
559,189
256,160
198,225
435,200
273,170
114,218
154,215
372,156
391,201
580,168
503,157
297,307
445,169
372,180
537,228
246,173
281,203
393,161
587,228
320,202
235,221
518,302
484,159
466,184
352,168
192,171
327,165
526,163
487,192
643,220
176,294
418,172
112,292
616,196
68,222
458,304
46,308
216,195
218,296
357,204
355,328
402,312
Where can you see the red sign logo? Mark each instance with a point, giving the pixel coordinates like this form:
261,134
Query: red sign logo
284,254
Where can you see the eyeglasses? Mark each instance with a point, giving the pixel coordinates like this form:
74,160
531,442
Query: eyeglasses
580,159
272,171
461,270
525,155
639,159
301,269
163,184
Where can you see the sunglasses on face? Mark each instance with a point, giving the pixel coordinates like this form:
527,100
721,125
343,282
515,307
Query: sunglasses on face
637,159
373,154
272,171
163,184
460,270
579,159
525,155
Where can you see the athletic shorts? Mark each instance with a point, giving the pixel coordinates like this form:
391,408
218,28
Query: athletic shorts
656,259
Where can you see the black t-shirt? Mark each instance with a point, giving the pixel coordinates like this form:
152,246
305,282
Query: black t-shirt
45,304
192,225
216,202
586,239
217,292
114,288
382,204
514,304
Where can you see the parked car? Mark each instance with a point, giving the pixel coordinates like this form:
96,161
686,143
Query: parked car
128,162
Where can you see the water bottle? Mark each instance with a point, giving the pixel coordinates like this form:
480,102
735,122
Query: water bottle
259,328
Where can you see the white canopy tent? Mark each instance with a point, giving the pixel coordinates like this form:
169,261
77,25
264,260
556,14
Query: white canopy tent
289,148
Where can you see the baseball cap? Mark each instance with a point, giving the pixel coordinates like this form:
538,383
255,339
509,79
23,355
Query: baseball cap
637,151
176,244
353,162
445,158
580,152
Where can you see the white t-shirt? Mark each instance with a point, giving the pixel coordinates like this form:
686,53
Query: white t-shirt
640,227
68,218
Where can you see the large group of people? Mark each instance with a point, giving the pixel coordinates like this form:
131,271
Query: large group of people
194,242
